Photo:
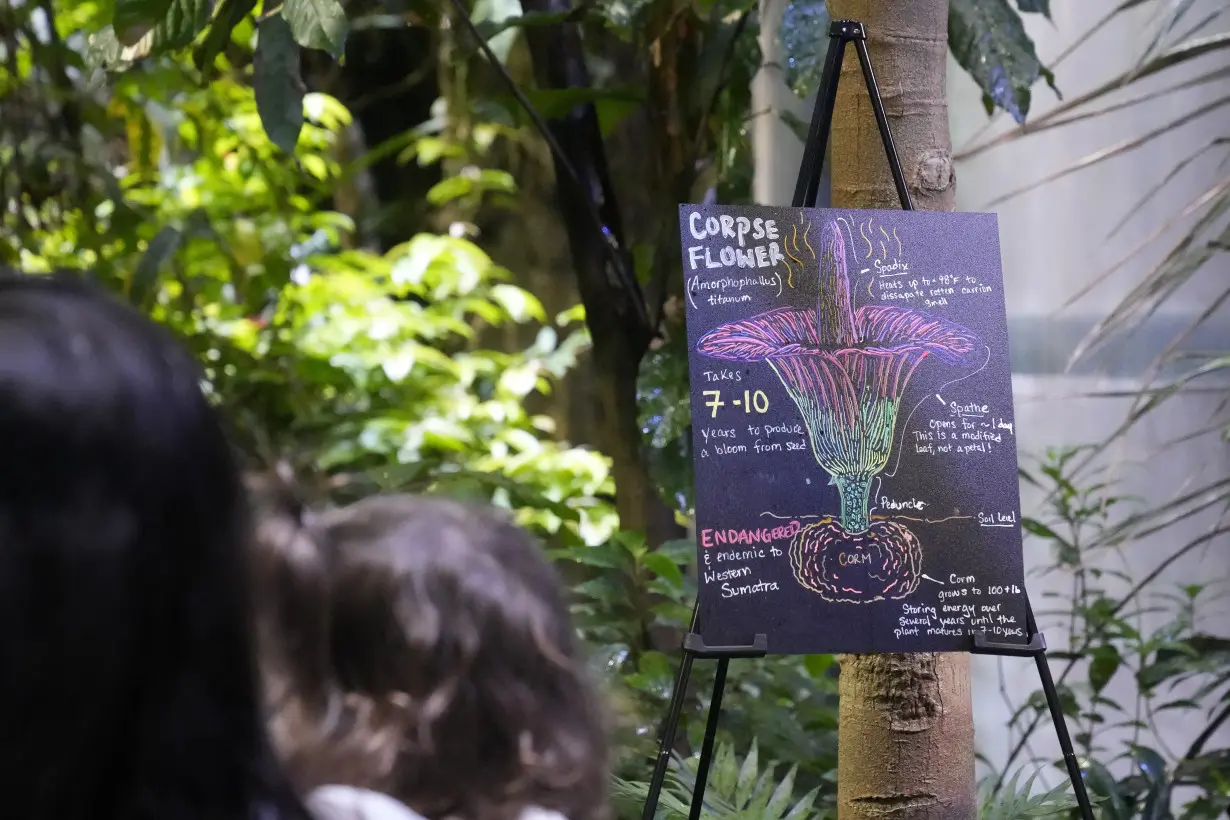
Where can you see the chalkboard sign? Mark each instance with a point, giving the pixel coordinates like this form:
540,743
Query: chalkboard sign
853,429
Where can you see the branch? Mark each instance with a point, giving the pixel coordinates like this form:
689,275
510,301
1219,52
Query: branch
1197,746
619,264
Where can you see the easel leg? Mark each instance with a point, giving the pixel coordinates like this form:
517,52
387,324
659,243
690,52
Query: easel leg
670,728
808,185
694,647
1061,724
706,749
1036,649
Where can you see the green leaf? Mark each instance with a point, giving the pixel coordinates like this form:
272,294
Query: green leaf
450,188
161,248
318,24
230,13
804,34
663,567
1036,527
180,26
520,304
681,550
817,665
276,83
654,664
183,21
1157,797
1103,784
725,770
747,776
1103,666
988,39
1042,7
780,798
133,19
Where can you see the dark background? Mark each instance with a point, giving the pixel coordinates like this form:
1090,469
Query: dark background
732,491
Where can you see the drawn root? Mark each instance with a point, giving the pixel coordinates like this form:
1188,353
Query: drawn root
883,562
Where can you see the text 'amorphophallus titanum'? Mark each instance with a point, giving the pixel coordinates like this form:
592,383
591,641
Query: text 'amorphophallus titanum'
846,369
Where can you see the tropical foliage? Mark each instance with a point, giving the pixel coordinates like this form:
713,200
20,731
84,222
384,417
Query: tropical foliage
358,244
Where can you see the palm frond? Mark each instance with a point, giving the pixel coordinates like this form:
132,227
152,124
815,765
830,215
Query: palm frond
1118,149
1204,240
1206,197
1177,55
1016,800
736,790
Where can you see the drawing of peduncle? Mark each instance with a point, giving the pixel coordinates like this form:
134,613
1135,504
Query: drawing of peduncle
846,370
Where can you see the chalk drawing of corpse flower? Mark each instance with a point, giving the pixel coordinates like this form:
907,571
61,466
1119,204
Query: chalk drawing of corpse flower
846,369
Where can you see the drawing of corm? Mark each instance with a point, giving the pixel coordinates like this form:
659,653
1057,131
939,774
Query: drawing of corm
846,369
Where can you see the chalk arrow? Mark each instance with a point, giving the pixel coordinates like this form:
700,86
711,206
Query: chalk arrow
929,578
941,398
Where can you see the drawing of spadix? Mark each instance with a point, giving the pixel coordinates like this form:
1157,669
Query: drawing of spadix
846,370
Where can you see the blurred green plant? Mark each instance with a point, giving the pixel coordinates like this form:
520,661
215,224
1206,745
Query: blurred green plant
736,790
361,369
1014,800
1129,630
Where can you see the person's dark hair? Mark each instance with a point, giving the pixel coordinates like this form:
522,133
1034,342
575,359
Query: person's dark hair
466,694
292,617
128,686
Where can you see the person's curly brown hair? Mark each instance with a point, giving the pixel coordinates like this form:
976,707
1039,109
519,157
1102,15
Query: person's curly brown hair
462,690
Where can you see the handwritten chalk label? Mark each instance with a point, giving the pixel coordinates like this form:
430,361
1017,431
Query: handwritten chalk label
853,429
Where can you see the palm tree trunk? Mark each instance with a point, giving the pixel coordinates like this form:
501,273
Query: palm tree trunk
906,732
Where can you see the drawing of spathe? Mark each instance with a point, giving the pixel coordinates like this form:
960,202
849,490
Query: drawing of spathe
846,370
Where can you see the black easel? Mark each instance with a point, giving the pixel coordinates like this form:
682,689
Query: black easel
841,32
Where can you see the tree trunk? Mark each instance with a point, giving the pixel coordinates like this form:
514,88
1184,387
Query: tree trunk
619,338
906,731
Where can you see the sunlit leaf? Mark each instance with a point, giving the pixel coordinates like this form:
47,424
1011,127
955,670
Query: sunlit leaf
450,188
520,304
495,13
133,19
178,27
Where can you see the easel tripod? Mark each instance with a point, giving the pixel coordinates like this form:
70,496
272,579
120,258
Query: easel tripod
841,33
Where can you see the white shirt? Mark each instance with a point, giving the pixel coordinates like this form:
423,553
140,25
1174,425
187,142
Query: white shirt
349,803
